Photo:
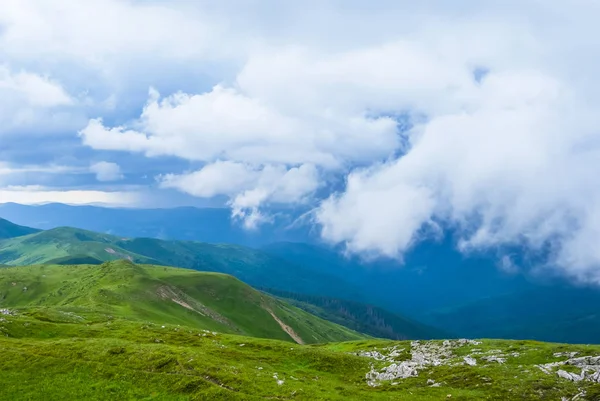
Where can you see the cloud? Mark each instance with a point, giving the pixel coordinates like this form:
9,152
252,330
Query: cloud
106,171
34,89
29,100
225,123
248,187
515,168
32,195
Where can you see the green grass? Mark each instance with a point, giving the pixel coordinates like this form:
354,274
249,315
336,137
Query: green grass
113,331
363,318
65,358
64,244
165,295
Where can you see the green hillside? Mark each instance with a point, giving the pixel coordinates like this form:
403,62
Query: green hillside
160,295
67,356
64,243
71,246
11,230
367,319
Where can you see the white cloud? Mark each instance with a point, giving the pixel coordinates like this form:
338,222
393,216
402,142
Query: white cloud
29,100
106,171
517,166
32,195
225,123
248,187
34,89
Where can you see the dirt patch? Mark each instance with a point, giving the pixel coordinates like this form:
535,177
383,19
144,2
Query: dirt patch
286,328
168,293
182,299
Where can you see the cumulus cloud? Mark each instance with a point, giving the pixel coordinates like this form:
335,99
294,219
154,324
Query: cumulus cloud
29,100
248,187
106,171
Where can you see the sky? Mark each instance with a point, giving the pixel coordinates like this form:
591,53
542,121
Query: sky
390,121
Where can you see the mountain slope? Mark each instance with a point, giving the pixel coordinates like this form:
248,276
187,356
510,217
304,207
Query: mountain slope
432,275
11,230
547,313
160,295
363,318
63,242
69,245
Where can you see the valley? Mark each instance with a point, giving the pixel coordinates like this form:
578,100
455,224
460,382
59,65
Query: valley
86,314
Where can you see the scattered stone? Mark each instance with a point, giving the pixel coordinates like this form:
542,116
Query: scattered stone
470,361
494,358
565,354
423,355
589,365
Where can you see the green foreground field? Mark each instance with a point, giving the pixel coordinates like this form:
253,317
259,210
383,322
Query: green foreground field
61,357
121,331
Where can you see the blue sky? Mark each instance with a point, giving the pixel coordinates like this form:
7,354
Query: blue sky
253,104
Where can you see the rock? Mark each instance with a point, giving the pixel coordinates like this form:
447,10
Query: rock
570,376
494,358
470,361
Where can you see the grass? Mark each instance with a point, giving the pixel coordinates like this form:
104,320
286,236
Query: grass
114,332
122,289
254,267
62,357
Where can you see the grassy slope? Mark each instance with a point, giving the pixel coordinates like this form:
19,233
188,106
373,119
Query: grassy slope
10,230
66,246
68,358
249,265
46,246
159,294
368,319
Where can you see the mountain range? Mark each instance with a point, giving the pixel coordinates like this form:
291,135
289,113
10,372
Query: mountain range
460,295
71,246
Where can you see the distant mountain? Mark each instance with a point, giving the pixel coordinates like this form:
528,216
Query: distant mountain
158,294
363,318
70,246
432,276
212,225
11,230
467,296
546,313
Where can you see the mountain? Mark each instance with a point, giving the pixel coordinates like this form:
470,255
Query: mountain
10,230
431,276
213,225
363,318
546,313
469,297
65,245
160,295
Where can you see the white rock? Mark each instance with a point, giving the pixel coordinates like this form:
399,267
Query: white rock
470,361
